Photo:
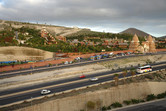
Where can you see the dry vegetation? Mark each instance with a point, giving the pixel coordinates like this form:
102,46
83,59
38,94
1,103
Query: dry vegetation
114,64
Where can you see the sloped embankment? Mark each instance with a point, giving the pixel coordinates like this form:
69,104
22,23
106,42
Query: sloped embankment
11,53
105,97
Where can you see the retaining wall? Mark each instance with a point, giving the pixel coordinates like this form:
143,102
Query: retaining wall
106,96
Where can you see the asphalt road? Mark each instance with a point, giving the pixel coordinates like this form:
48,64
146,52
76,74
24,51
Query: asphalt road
44,68
60,88
159,105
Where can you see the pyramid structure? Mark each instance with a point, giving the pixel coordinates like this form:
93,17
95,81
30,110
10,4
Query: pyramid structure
134,43
147,46
152,47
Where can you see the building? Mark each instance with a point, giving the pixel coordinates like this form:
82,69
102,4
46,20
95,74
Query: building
61,38
134,43
147,46
49,39
151,43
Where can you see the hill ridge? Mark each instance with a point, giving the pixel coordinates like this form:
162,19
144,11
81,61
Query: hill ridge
133,31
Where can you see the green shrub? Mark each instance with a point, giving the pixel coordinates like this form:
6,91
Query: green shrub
116,104
49,64
104,108
90,104
127,102
162,95
142,100
109,107
150,97
135,101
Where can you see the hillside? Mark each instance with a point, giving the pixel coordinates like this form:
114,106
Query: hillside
163,37
133,31
80,35
12,53
54,30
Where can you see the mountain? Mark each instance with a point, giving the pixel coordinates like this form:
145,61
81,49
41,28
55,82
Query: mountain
133,31
163,37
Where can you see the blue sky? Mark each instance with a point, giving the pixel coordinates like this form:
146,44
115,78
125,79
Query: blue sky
99,15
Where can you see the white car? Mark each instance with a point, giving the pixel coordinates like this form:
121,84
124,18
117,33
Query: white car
93,79
45,91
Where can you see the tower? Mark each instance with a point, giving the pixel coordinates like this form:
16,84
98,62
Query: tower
134,43
152,47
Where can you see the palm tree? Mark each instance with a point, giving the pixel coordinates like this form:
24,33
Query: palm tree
124,74
116,78
133,72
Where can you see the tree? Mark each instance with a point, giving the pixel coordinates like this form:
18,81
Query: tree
124,74
133,72
116,78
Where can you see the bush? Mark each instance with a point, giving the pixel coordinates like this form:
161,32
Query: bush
49,65
103,108
150,97
116,104
109,107
90,104
162,95
135,101
127,102
142,100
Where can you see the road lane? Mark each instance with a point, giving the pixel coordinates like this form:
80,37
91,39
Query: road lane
159,105
61,88
10,91
44,68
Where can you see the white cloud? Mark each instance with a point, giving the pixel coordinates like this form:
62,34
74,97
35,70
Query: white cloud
108,15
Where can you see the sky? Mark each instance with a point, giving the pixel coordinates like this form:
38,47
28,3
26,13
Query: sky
98,15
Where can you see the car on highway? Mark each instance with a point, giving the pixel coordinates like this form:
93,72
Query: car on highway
82,76
45,91
93,79
120,54
143,69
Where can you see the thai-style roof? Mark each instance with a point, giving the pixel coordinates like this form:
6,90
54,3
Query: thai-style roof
150,39
135,38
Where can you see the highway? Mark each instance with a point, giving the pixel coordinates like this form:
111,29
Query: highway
61,66
18,94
